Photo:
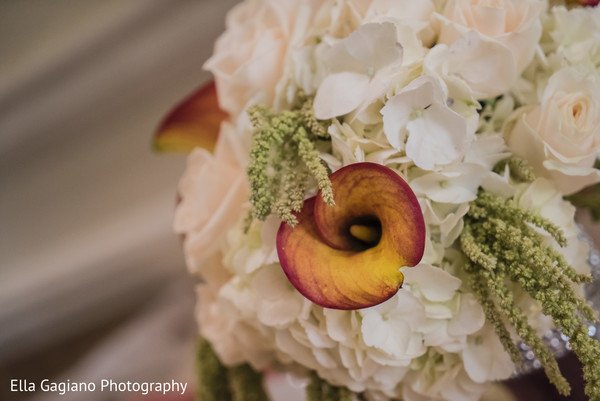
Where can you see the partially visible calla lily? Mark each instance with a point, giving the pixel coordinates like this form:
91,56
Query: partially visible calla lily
193,123
349,256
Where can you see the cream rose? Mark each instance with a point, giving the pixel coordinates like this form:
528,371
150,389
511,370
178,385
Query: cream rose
249,58
346,16
213,190
507,33
561,137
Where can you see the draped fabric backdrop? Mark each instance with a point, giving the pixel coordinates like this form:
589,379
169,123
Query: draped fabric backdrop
85,205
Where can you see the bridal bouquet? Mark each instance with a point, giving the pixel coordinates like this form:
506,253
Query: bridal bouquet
380,196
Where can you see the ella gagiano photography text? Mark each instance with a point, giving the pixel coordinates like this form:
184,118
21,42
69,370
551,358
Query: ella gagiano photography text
63,387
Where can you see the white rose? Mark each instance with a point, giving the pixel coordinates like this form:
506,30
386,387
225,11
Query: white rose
250,57
346,16
415,14
212,191
561,137
507,33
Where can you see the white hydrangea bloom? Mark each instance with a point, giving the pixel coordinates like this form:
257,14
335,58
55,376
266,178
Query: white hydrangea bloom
485,358
440,376
246,252
454,184
419,121
391,327
361,68
576,33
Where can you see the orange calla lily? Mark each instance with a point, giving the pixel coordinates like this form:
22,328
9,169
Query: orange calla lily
193,123
349,256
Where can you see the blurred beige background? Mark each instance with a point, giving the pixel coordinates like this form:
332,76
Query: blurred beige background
88,260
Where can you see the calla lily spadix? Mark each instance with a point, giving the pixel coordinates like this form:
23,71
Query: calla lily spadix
349,256
193,123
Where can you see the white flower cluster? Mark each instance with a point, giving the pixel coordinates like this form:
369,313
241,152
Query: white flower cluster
439,92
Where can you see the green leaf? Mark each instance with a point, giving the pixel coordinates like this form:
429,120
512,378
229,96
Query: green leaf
588,198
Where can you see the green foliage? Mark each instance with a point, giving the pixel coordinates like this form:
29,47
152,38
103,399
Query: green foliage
212,375
501,246
219,383
320,390
283,157
588,198
246,384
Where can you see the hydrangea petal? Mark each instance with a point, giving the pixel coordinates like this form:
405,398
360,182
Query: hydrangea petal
438,138
375,45
435,284
390,326
339,94
469,318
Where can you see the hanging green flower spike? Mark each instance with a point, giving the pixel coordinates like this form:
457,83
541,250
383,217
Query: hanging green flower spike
246,384
282,158
219,383
519,168
320,390
212,375
501,245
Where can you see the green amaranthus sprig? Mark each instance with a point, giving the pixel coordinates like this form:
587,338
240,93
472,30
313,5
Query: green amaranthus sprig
219,383
501,245
319,390
519,168
283,157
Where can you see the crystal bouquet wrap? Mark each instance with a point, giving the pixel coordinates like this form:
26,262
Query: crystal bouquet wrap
379,195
